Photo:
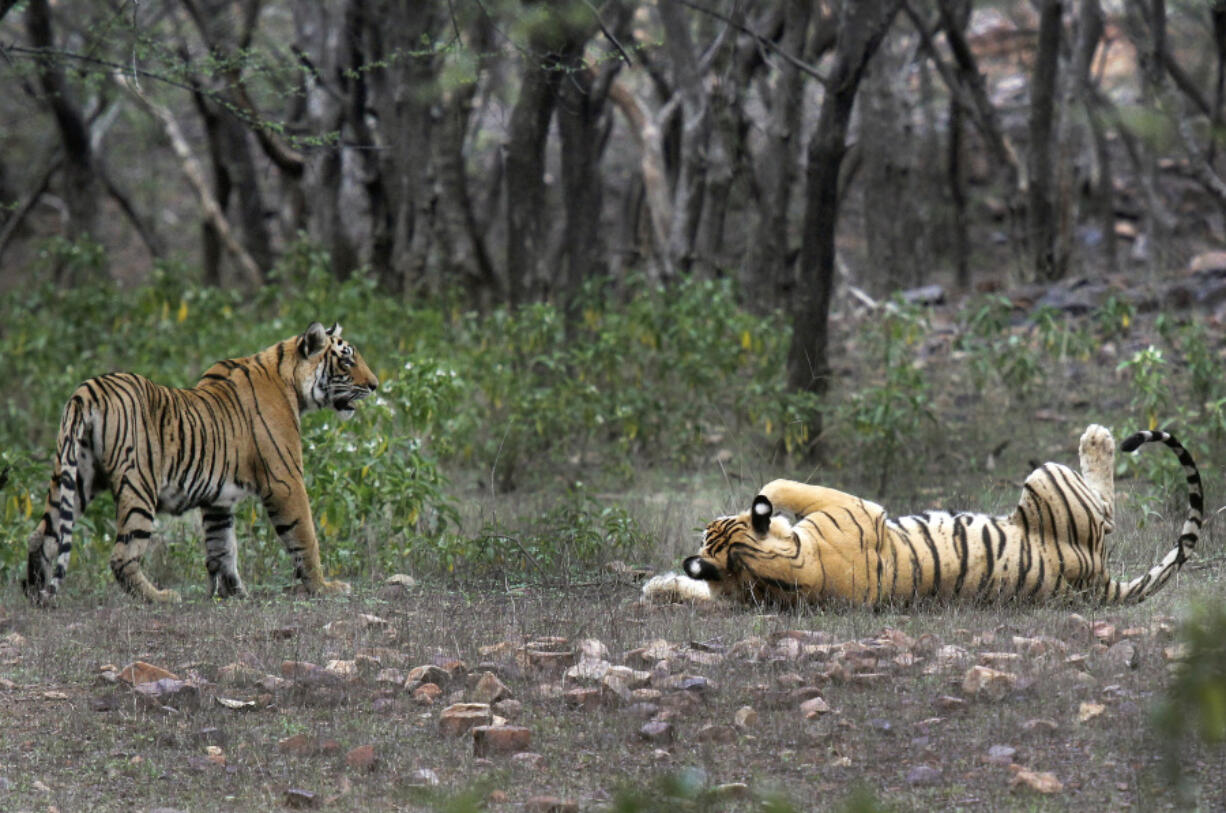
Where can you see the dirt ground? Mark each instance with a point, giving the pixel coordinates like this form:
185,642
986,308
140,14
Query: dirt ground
625,706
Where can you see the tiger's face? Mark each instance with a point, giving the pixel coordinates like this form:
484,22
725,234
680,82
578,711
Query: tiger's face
747,552
333,373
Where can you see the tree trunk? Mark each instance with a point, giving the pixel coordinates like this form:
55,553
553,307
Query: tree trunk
861,30
81,185
1041,210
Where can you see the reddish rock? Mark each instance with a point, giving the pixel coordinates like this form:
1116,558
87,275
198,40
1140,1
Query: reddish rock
460,717
489,740
299,745
141,672
489,689
420,675
427,693
362,758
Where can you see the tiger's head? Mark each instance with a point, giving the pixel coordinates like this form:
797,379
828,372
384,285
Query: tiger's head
749,555
332,372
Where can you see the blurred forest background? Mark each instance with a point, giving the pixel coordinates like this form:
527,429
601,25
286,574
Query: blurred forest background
581,238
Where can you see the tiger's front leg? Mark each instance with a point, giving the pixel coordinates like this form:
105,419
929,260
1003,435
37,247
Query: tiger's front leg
221,552
291,518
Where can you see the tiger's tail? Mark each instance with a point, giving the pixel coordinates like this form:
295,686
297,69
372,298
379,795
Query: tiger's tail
1146,585
51,543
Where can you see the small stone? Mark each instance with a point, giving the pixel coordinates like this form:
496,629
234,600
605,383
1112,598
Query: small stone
948,702
422,778
427,693
745,718
390,675
588,698
489,689
429,673
529,760
1088,711
592,649
141,672
985,682
814,707
178,694
299,745
362,758
1042,782
300,799
460,717
508,708
1001,754
489,740
1122,655
657,732
402,580
643,710
923,775
1105,632
309,674
215,754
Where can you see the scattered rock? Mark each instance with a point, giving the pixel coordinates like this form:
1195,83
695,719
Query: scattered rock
427,693
429,673
814,707
1088,711
238,674
491,740
547,655
362,758
141,672
299,745
508,708
745,718
460,717
922,775
1122,655
402,580
947,702
1040,782
177,694
422,778
657,732
299,799
489,689
1001,754
309,674
529,760
985,682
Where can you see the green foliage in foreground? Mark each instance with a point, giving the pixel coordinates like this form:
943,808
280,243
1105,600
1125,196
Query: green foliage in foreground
1195,705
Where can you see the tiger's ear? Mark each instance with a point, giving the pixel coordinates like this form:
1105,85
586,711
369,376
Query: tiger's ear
760,514
313,341
335,330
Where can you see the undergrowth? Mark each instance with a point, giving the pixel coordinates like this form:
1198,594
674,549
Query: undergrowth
522,400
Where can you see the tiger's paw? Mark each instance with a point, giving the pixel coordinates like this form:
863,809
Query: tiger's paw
1097,447
669,588
164,597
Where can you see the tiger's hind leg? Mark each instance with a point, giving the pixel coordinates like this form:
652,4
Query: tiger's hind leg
221,552
50,546
134,520
1097,452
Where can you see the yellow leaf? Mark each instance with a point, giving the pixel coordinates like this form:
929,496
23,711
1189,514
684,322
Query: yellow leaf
181,316
1153,421
1125,321
769,426
29,505
413,517
365,471
746,340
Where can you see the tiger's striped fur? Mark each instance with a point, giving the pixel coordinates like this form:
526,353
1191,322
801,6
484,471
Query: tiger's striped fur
159,449
846,548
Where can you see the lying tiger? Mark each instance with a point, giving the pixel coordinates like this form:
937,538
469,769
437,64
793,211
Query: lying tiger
845,548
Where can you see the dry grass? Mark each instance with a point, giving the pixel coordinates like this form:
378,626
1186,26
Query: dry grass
878,730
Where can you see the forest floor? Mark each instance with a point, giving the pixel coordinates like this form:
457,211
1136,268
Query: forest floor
283,702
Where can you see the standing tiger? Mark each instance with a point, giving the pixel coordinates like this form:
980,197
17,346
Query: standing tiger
159,449
846,548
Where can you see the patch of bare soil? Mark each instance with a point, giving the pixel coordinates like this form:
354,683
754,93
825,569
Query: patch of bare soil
549,700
